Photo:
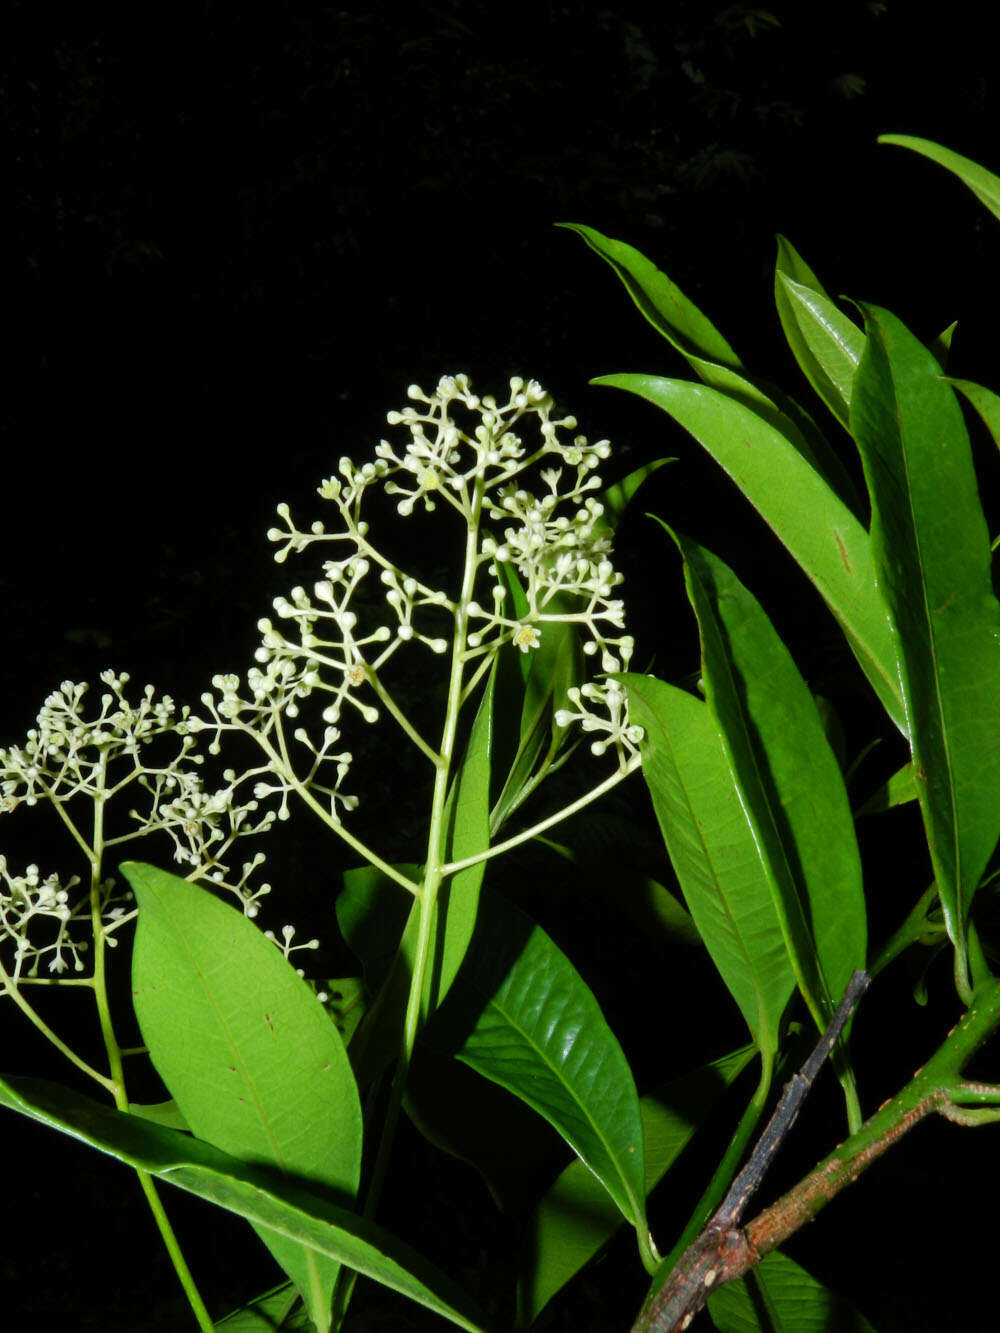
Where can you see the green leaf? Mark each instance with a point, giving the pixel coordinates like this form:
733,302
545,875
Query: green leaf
932,561
616,498
897,790
826,344
161,1113
575,1217
347,999
467,832
821,533
541,1035
266,1198
983,184
985,401
788,779
661,301
778,1296
712,359
254,1064
711,846
279,1309
372,911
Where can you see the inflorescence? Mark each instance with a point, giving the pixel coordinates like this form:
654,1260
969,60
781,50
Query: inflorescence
535,559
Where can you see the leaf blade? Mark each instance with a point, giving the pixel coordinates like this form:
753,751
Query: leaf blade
253,1063
983,184
712,849
824,341
819,531
799,1302
265,1198
575,1217
788,778
540,1034
932,560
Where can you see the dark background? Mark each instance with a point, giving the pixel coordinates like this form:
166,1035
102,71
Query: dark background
236,235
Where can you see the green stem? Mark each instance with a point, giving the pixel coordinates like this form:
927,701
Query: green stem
935,1088
618,776
434,874
307,798
166,1231
713,1259
914,928
394,710
12,990
114,1054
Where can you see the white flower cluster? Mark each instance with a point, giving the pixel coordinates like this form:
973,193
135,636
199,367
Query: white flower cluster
29,902
546,558
75,755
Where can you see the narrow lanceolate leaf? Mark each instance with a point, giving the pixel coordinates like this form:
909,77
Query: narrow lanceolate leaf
267,1199
540,1034
575,1218
825,342
986,403
778,1294
712,359
932,559
615,499
254,1064
662,302
788,779
711,846
983,184
817,528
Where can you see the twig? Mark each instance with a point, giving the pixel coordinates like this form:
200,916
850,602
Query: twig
724,1251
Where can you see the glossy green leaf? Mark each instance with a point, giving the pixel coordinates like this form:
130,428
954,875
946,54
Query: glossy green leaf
779,1296
940,347
279,1309
161,1113
712,849
245,1049
932,560
615,499
826,344
986,403
267,1199
897,790
820,532
788,778
983,184
541,1035
661,301
575,1218
688,330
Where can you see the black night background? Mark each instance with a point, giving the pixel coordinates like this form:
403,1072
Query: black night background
235,235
